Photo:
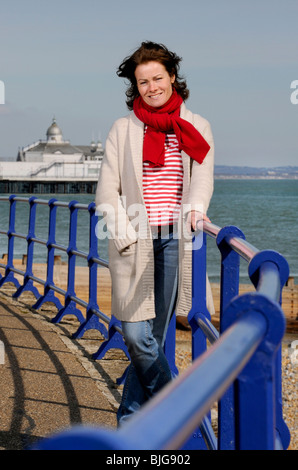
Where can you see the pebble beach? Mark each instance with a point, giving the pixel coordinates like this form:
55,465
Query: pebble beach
289,379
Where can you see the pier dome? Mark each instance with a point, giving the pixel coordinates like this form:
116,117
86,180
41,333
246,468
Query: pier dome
54,133
56,152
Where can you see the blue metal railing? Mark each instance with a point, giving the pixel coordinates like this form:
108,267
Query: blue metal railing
93,318
241,369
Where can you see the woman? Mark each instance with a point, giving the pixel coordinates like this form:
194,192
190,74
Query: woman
155,184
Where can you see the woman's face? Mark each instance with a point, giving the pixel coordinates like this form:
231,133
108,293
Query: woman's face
154,83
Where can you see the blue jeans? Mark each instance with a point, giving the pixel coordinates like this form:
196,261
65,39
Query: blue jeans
149,370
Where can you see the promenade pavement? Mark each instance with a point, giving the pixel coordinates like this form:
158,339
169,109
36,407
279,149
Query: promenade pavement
48,380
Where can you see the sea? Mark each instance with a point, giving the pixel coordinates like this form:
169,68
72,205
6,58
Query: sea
265,210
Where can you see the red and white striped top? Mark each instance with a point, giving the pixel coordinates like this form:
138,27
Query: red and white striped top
162,186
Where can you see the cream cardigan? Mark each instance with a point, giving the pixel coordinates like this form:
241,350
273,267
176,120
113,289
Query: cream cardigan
119,198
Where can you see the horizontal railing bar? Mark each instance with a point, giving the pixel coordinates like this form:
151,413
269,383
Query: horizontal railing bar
81,302
98,313
60,204
269,281
82,254
33,278
41,201
58,247
105,318
38,240
239,245
208,329
100,261
57,289
243,248
20,199
19,235
81,206
36,279
226,358
45,202
17,271
211,229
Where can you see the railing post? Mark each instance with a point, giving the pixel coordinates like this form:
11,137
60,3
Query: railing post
28,283
230,263
198,296
9,275
92,320
49,295
199,308
255,405
170,345
255,264
115,340
70,305
229,288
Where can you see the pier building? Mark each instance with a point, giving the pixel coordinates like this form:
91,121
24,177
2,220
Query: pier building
53,165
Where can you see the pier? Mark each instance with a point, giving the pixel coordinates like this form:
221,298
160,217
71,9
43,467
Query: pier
36,186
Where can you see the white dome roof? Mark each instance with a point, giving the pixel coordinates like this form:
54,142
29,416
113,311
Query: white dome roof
54,132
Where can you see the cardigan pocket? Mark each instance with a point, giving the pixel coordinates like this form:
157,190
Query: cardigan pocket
129,250
123,270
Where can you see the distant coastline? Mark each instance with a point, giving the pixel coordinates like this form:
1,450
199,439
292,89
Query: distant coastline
246,172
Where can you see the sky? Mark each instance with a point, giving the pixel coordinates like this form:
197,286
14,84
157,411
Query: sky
59,59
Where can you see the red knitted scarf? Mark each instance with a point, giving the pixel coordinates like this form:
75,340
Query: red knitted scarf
160,121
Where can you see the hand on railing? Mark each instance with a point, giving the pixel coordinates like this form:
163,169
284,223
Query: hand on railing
194,221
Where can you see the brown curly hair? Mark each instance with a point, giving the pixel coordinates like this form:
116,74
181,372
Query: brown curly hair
151,51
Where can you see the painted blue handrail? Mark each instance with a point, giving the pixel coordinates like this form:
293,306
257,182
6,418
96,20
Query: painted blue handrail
242,368
94,316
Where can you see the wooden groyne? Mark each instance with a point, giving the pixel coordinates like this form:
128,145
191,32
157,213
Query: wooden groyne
289,302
